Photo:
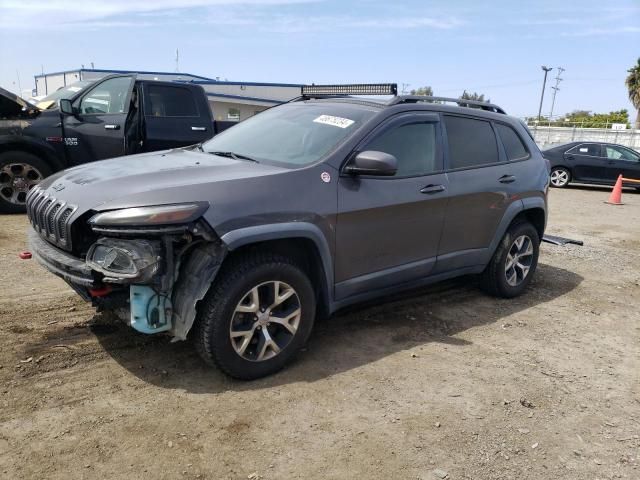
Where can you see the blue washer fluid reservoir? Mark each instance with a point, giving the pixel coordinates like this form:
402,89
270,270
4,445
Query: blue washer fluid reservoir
150,311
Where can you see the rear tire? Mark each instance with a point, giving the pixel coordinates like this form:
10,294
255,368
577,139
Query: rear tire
19,173
246,298
559,177
514,262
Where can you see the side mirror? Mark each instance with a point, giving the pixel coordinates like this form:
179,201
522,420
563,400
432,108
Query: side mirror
65,106
373,162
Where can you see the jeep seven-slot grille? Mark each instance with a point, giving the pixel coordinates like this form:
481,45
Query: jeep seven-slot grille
49,218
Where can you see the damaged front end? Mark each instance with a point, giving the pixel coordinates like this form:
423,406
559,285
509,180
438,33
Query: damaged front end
150,265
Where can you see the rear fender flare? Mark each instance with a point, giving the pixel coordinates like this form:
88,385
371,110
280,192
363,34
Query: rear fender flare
511,213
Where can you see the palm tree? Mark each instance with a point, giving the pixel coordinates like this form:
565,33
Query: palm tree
633,84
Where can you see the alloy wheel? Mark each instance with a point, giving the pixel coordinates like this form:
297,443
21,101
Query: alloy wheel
16,179
265,321
559,178
519,260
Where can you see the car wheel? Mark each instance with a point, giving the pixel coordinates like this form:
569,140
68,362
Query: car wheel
560,177
256,317
19,173
514,262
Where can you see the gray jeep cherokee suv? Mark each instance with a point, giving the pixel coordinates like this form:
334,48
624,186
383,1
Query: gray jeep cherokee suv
328,200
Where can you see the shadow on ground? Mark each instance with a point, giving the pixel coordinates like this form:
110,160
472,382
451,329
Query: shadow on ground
599,188
346,341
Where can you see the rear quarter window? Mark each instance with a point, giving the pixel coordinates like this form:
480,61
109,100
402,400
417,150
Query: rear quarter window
513,145
472,142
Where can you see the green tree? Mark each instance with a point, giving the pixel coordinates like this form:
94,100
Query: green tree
473,96
586,119
426,91
633,85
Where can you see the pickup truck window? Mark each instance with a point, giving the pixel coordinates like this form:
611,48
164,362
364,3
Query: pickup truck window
169,101
291,135
109,96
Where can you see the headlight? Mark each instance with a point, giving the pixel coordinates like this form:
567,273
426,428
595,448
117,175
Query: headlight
157,215
124,260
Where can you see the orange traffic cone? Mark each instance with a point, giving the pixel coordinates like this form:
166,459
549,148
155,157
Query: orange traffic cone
616,194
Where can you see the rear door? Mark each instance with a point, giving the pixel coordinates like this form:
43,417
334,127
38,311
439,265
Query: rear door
388,228
623,161
97,129
482,185
174,116
587,163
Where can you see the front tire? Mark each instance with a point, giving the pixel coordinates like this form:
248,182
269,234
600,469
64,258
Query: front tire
19,173
256,317
514,262
560,177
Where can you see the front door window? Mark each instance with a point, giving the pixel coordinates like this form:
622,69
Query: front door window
111,96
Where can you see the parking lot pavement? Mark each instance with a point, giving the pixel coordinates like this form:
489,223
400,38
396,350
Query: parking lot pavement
440,381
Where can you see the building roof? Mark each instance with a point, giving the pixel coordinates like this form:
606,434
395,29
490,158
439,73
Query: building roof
97,70
199,79
239,98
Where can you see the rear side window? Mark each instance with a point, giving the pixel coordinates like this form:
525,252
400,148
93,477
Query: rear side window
413,145
167,101
512,142
471,142
590,149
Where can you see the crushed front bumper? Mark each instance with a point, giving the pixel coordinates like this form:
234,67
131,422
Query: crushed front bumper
72,269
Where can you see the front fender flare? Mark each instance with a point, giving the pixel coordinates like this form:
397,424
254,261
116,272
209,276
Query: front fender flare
287,230
33,145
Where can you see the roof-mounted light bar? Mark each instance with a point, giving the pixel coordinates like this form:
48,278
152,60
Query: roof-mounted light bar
350,89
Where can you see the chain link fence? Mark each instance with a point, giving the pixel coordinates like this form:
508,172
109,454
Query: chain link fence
549,135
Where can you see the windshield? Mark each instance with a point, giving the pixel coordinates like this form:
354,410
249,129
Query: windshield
66,92
294,134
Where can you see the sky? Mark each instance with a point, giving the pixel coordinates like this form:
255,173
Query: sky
493,47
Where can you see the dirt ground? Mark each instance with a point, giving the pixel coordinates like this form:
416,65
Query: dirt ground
441,382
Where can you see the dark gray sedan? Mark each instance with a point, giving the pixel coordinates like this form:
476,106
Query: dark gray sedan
592,162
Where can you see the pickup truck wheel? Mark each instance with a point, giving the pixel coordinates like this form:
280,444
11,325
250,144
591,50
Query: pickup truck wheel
257,316
560,177
19,173
514,262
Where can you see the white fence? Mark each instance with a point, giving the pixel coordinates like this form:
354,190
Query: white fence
545,135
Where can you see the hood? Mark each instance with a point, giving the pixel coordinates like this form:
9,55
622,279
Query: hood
46,104
157,178
13,105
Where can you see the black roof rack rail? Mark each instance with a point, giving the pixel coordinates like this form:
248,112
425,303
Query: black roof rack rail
308,92
461,102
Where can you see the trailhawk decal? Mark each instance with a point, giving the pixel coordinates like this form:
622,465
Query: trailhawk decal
334,121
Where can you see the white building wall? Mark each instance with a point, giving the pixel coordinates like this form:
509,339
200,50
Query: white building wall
547,136
270,92
221,110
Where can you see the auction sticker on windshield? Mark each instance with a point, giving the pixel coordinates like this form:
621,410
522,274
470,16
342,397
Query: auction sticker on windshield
334,121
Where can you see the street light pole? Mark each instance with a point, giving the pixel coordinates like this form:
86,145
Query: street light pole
544,84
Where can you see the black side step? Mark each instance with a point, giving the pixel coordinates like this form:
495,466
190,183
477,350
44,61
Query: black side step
560,240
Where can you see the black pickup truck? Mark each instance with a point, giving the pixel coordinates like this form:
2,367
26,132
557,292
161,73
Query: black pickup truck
117,115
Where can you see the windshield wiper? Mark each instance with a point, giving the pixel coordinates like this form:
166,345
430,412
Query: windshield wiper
235,156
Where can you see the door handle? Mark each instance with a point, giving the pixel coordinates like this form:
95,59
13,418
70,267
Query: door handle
199,129
507,179
429,189
110,126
